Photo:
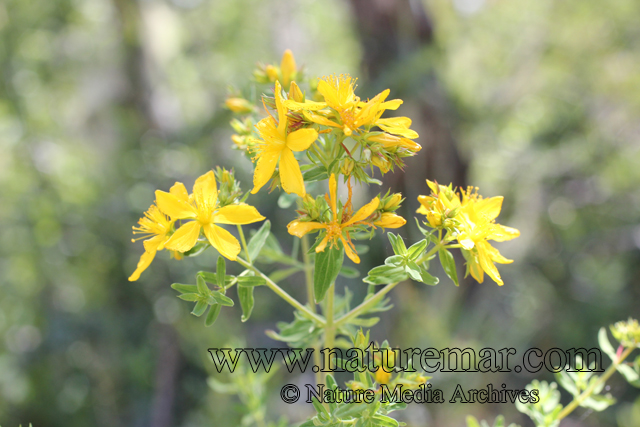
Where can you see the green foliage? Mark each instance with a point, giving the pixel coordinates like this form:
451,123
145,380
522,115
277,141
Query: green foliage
327,267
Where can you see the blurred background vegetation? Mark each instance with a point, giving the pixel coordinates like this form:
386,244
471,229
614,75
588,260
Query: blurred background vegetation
103,101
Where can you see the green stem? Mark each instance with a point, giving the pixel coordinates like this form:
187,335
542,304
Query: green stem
308,272
364,305
589,391
329,329
244,244
282,294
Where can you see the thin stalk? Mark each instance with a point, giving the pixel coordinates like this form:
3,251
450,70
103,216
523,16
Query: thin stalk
364,305
308,273
282,293
329,329
244,244
589,391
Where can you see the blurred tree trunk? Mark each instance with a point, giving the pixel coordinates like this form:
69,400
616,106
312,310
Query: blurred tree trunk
396,37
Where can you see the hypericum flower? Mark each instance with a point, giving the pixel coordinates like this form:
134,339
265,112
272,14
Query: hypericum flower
276,148
338,228
202,208
477,218
390,220
441,204
287,68
155,227
391,141
239,105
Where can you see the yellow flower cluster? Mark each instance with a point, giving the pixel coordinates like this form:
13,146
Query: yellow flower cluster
342,220
200,211
470,219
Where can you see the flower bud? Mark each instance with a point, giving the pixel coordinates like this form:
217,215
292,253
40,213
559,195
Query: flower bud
390,220
239,105
295,93
393,202
628,333
347,166
382,163
382,377
366,154
287,67
272,73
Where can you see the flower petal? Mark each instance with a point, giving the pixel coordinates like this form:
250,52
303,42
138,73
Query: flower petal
364,212
321,120
300,228
145,261
307,105
333,196
282,111
301,139
487,264
290,175
184,238
173,206
267,161
353,256
223,241
237,214
489,209
180,191
205,191
502,233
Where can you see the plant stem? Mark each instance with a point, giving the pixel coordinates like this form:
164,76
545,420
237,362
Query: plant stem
329,329
310,298
364,305
308,272
282,294
244,244
589,391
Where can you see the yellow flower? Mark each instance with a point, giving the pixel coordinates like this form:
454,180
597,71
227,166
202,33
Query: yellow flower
381,376
477,217
338,228
287,68
155,227
239,105
441,204
390,141
390,220
338,93
276,148
202,208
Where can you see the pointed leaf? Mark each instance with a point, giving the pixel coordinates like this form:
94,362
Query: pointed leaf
221,271
185,289
212,315
327,267
449,265
245,294
258,240
199,308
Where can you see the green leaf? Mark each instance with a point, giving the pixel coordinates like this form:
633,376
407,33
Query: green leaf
250,281
394,261
212,315
197,249
202,286
472,421
349,272
416,249
245,294
605,345
258,240
385,274
286,200
397,244
316,174
185,289
630,375
189,297
413,270
427,278
199,308
383,420
222,299
449,265
221,271
280,275
327,267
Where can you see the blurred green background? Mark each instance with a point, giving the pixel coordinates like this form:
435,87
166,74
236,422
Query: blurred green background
103,101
